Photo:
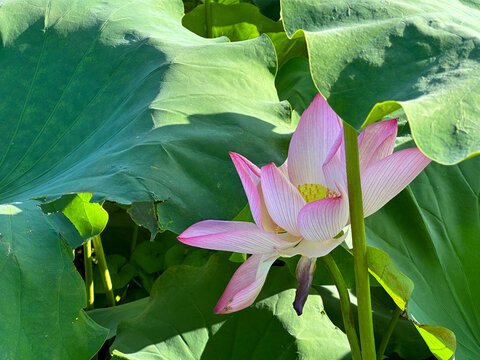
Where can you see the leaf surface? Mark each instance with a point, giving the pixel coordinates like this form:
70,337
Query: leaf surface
431,233
116,99
422,56
179,322
42,293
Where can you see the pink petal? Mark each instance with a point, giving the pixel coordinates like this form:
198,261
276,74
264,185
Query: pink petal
311,142
284,168
375,142
250,168
245,285
314,248
250,177
387,177
323,219
282,199
334,169
267,222
237,236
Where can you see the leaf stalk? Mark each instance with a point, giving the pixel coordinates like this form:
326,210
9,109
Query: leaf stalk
386,337
362,279
87,259
345,305
104,273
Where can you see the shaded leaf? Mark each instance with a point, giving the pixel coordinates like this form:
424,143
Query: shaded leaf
42,294
144,214
110,317
294,83
288,48
243,21
121,272
149,256
179,321
93,101
270,8
238,22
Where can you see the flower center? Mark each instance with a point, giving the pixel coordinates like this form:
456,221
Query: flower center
313,192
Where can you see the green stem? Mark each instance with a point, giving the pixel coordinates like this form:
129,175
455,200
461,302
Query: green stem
87,259
362,280
386,337
104,273
208,18
345,306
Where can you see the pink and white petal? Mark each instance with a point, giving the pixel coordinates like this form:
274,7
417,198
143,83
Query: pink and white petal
375,142
284,168
334,168
283,200
311,142
250,177
237,236
245,284
323,219
314,248
251,168
267,222
387,177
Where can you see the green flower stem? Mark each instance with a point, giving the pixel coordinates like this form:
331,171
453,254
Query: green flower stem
104,273
386,337
87,259
208,18
345,306
362,280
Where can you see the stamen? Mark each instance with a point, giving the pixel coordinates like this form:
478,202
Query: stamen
331,194
313,192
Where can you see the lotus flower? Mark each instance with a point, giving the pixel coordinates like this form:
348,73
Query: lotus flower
302,207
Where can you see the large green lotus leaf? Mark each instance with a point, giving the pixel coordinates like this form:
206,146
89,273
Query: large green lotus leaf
431,233
42,294
423,56
179,323
117,99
